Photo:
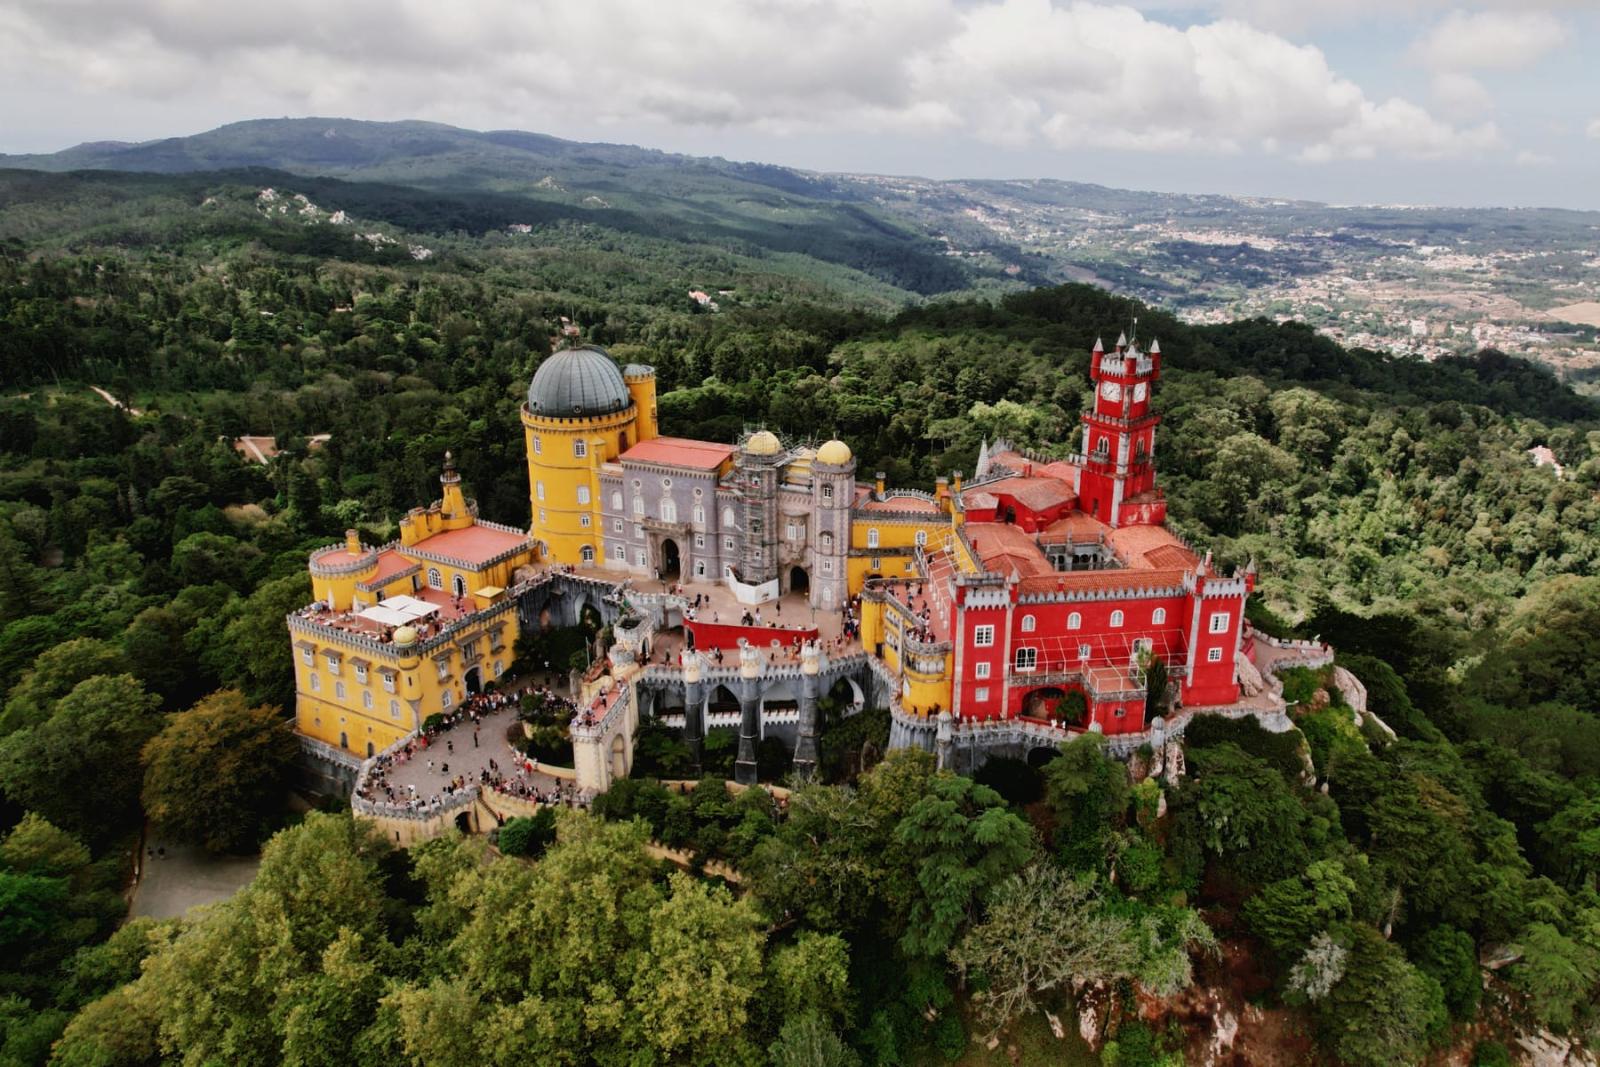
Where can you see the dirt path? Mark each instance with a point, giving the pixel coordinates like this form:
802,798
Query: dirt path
114,402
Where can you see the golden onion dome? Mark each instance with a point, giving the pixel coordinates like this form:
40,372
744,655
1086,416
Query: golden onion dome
405,636
835,453
763,443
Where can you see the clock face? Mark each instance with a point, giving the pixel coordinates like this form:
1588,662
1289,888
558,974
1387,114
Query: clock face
1138,393
1111,391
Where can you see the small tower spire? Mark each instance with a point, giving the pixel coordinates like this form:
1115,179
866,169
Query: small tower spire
1099,347
1122,341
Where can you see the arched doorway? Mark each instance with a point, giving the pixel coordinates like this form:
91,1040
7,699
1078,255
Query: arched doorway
723,702
464,822
671,562
799,581
619,757
474,680
458,585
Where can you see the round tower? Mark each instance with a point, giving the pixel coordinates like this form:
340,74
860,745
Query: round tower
833,482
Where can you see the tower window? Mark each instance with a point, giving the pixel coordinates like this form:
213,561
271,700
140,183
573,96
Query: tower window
394,709
1074,621
827,492
583,520
1219,622
1116,618
825,542
580,448
1028,623
583,494
1214,655
983,636
538,446
1158,616
538,491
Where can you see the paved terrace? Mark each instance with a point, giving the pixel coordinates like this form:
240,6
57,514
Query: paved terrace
450,610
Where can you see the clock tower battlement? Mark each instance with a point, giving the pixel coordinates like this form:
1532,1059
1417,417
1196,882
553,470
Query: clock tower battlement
1118,485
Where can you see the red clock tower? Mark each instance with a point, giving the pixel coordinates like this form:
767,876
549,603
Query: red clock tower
1118,480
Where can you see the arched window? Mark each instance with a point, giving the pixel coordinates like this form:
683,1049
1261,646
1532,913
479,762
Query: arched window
580,448
669,509
446,697
538,446
699,514
1027,659
583,494
827,491
1158,616
538,490
366,699
1028,623
1116,618
616,500
587,553
872,537
435,579
394,709
727,516
1103,445
458,585
825,542
922,538
1074,621
638,505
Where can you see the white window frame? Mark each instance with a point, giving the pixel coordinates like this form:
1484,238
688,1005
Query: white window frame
669,509
338,690
983,636
586,553
1074,621
366,699
827,491
538,446
1029,623
316,683
616,500
727,516
308,657
981,669
388,682
1084,652
583,495
1026,660
361,674
699,514
1220,622
872,537
981,694
1118,618
580,448
1158,616
458,585
394,709
538,490
446,698
585,519
922,538
1214,655
638,505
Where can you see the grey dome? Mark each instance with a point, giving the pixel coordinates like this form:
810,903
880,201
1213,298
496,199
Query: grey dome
578,382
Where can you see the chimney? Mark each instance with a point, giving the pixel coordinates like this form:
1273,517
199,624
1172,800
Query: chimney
956,479
881,479
352,542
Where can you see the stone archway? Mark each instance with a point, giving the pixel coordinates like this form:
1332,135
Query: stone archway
671,560
799,580
473,679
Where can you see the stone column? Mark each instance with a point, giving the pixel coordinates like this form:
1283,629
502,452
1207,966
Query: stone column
805,749
749,686
942,740
694,709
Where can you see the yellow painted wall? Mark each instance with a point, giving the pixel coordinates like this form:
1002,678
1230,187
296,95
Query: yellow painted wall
322,714
890,565
558,517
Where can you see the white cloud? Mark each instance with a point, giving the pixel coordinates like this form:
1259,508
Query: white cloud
1593,129
1526,158
1008,72
1489,40
1460,95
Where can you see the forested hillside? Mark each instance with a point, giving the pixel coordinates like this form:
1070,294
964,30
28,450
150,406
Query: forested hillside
145,569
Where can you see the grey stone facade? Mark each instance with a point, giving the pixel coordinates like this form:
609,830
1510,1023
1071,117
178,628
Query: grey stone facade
779,516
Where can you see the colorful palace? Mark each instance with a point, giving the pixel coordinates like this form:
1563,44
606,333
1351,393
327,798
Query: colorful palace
745,582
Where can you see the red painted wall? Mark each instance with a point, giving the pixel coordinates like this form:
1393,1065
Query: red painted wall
714,635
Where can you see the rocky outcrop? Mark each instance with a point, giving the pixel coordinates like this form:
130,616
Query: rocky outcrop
1545,1049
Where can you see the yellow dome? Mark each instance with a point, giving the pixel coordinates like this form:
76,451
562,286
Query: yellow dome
763,443
405,635
835,452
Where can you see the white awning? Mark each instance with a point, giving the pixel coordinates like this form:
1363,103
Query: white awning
399,611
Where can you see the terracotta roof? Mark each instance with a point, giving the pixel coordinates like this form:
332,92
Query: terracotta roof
390,563
901,503
1076,525
1150,546
978,500
1005,548
1101,581
1059,469
1035,494
679,452
473,544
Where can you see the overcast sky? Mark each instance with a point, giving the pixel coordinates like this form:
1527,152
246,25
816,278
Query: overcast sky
1348,101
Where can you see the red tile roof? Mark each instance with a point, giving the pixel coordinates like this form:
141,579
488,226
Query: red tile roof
1101,581
902,503
475,545
1150,546
1076,525
390,563
680,452
1005,548
1035,494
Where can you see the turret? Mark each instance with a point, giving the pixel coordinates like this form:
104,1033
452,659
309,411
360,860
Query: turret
641,382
